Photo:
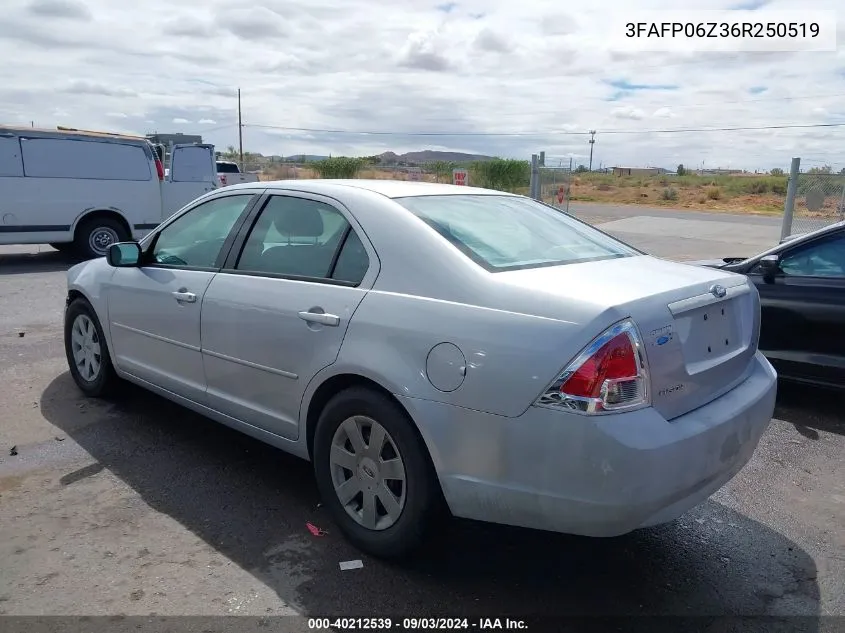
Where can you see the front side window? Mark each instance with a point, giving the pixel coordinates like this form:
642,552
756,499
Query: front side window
825,258
195,239
508,233
295,237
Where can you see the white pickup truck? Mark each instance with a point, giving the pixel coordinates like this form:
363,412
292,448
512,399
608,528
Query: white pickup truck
228,173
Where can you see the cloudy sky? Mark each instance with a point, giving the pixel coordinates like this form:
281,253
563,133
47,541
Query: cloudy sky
503,77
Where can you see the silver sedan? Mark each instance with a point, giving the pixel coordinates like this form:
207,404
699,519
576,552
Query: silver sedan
434,347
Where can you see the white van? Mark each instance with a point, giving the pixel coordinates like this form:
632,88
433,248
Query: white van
82,191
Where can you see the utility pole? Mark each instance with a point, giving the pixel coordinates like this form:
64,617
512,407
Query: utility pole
240,131
592,142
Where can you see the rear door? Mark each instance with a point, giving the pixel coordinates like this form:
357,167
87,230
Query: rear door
803,311
192,173
277,313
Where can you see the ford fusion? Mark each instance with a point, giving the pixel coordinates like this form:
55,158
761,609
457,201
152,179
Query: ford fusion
436,348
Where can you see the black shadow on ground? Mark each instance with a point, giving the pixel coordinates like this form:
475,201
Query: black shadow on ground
811,409
251,503
47,261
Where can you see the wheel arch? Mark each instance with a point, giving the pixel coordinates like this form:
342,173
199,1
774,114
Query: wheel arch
102,212
334,384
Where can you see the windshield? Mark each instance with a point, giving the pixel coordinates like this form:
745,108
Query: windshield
508,233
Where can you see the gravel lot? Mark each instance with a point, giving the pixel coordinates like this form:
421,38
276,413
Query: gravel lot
138,507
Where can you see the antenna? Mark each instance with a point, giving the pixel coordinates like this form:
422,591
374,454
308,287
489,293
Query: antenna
240,131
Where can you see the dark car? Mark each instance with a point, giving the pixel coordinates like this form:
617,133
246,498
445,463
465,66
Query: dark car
802,291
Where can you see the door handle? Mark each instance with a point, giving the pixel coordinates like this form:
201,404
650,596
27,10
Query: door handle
183,296
320,317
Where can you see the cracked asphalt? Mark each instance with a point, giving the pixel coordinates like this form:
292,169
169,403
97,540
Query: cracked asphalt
137,507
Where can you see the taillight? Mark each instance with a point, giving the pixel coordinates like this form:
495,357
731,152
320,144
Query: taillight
159,169
609,375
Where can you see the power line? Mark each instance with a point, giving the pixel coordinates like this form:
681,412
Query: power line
545,133
676,106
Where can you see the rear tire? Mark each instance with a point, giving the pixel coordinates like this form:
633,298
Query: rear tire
87,353
416,502
94,236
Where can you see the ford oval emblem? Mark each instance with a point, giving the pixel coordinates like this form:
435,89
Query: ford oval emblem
718,291
663,340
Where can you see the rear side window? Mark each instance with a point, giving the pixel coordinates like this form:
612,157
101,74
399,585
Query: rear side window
96,160
227,168
10,157
509,233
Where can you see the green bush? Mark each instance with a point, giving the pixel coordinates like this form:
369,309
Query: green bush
501,174
442,169
338,167
669,194
757,186
779,188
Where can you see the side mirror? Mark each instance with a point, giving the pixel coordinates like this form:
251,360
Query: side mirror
769,266
124,255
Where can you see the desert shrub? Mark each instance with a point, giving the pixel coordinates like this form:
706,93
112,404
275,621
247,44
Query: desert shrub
714,193
779,188
702,199
502,174
338,167
604,187
757,187
669,194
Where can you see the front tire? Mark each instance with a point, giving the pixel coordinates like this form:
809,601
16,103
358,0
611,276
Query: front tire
94,236
374,475
86,351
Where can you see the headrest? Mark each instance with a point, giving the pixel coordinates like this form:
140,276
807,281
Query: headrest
302,221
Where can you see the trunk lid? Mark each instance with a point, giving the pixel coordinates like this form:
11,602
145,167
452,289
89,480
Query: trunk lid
699,325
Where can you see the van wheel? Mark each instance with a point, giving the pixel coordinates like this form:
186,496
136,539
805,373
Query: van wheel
94,236
374,475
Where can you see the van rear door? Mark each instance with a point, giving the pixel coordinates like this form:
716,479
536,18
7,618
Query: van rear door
193,172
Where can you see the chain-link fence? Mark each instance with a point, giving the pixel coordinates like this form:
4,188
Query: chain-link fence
819,201
552,185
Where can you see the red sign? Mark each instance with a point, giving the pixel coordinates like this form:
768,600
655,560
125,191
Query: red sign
459,177
560,192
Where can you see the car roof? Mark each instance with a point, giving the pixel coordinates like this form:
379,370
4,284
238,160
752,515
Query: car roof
67,131
387,188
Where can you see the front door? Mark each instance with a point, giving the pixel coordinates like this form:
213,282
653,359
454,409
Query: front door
192,173
278,312
803,309
154,310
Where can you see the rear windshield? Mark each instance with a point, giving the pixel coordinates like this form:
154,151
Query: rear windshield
508,233
227,168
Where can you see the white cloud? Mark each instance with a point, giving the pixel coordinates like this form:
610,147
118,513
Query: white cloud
628,112
664,113
117,115
488,66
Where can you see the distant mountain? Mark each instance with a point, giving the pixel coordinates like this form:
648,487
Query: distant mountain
305,158
392,158
428,156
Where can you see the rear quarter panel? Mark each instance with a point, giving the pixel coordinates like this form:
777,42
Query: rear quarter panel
510,358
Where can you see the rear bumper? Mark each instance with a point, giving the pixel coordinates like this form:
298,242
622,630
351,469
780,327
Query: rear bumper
602,476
